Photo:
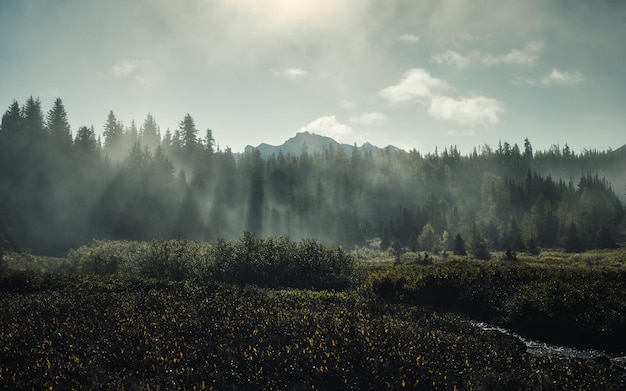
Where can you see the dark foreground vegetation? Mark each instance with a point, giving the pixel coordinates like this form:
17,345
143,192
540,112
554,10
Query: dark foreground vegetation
568,305
112,321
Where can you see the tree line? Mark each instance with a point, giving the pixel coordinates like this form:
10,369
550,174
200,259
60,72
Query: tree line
61,189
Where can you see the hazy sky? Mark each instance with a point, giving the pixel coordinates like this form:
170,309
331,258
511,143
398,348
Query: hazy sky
412,73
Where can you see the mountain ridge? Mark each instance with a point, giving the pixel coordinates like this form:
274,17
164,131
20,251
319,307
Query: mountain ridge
314,143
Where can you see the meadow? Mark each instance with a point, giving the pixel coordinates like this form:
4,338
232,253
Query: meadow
274,314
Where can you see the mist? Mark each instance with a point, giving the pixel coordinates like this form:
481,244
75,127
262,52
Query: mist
60,190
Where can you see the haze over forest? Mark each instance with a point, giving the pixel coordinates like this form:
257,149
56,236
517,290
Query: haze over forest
61,189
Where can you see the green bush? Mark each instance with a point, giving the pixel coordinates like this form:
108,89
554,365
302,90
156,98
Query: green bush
271,262
176,259
107,257
278,262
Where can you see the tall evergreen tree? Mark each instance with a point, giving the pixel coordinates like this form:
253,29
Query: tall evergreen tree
573,243
58,127
113,136
459,245
33,123
85,141
477,245
604,238
188,136
256,193
150,135
11,123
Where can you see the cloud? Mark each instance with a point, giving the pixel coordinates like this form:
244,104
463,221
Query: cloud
472,111
290,73
416,83
563,78
125,68
371,118
525,56
143,73
294,73
419,86
328,126
450,57
408,38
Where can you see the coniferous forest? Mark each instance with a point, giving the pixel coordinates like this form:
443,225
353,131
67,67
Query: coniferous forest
62,188
151,259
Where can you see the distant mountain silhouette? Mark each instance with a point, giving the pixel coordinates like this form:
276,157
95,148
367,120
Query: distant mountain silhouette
621,150
314,144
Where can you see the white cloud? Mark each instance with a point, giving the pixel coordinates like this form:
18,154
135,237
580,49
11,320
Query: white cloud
328,126
524,56
408,38
294,73
142,72
416,83
472,111
290,73
371,118
125,68
450,57
419,87
563,78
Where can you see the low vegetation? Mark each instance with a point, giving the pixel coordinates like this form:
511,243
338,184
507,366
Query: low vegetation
569,305
271,262
242,315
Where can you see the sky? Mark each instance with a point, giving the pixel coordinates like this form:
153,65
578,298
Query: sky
420,74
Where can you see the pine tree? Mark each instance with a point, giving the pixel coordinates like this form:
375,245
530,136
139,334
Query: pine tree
459,245
11,123
256,193
150,135
478,247
532,247
604,239
573,243
113,134
189,136
33,120
58,127
85,141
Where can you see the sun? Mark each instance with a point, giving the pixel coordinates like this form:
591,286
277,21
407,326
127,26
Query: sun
292,11
289,12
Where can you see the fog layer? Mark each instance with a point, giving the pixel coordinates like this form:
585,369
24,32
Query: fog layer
60,190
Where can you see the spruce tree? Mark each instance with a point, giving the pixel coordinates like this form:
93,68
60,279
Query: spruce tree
459,245
58,127
573,243
478,246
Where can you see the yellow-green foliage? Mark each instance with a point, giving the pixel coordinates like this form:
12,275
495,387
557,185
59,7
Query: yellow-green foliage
37,263
116,332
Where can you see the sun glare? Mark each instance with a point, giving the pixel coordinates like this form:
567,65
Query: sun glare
289,12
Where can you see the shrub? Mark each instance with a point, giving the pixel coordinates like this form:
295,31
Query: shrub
278,262
176,259
271,262
107,257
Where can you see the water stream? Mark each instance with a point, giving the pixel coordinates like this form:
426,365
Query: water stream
539,348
